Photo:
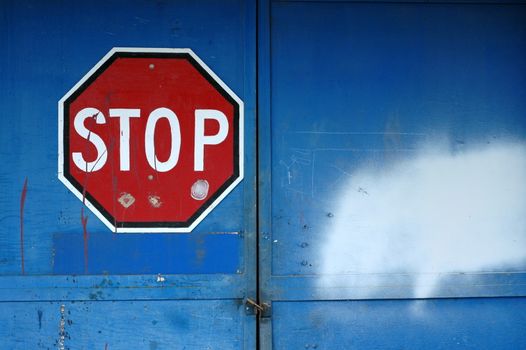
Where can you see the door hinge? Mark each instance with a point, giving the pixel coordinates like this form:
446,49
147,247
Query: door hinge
253,308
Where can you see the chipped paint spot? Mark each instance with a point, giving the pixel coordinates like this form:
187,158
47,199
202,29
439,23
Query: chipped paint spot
200,190
160,278
155,201
150,177
126,200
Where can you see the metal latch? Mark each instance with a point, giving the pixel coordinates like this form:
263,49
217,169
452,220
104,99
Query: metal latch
253,308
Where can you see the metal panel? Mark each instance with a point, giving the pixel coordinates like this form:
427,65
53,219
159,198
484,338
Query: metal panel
45,254
392,135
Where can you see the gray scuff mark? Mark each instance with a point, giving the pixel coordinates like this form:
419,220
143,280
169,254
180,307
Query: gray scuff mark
126,200
435,213
199,190
155,201
362,190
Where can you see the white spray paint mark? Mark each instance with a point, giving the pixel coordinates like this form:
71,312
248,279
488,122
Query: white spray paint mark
200,190
126,200
437,212
155,201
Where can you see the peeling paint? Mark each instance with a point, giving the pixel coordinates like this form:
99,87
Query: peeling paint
200,190
155,201
126,200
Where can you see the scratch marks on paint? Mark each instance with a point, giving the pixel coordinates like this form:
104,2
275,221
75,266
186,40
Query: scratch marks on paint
437,212
155,201
296,166
22,204
126,200
346,133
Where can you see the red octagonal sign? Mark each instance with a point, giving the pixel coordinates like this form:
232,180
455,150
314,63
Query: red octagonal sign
151,140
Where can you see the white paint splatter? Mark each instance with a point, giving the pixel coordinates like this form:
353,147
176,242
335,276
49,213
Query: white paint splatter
126,199
437,212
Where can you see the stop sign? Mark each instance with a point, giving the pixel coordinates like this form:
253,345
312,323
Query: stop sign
151,140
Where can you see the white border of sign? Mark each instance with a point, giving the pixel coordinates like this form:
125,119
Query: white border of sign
80,196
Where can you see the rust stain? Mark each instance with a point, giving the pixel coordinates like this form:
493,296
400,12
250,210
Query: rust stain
22,203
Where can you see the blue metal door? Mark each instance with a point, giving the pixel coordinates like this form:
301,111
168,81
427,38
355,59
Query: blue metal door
392,174
66,281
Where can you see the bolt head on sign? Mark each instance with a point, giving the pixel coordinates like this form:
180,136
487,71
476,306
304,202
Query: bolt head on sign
151,140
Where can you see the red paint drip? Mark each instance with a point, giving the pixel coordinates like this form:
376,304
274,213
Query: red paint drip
84,222
22,203
84,219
